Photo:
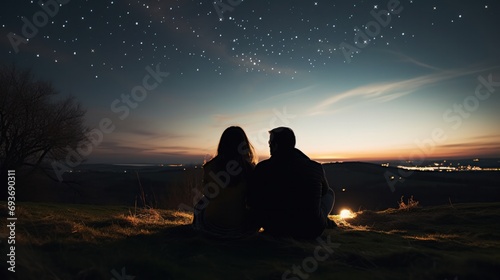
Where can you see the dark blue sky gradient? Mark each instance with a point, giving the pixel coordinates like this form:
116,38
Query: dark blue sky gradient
271,63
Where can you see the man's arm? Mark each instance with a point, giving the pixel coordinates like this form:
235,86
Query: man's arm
324,182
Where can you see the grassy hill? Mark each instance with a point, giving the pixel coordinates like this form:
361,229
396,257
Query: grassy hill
68,241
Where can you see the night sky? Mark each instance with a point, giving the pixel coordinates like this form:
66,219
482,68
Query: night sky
351,81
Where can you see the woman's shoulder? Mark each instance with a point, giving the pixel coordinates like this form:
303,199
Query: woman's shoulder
220,162
208,164
235,168
214,164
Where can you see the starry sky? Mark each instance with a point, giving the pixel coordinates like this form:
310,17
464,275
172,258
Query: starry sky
355,80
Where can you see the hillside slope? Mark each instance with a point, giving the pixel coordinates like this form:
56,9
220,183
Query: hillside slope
62,241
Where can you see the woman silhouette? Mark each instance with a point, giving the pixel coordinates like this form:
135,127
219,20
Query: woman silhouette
222,210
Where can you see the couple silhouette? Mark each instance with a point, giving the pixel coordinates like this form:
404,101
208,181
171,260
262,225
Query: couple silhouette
286,195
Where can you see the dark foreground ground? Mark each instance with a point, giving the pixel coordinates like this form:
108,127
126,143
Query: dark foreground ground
69,241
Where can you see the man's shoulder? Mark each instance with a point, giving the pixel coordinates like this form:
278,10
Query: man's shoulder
263,164
315,163
300,156
312,168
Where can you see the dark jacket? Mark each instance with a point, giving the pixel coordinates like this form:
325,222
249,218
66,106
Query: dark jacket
285,195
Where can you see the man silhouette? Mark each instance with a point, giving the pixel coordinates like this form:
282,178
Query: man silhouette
289,194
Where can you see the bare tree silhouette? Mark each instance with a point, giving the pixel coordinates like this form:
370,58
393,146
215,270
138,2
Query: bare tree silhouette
35,123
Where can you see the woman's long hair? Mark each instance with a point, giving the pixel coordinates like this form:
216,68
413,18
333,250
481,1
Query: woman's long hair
234,145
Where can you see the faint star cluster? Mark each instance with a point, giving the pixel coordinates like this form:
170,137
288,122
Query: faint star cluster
269,37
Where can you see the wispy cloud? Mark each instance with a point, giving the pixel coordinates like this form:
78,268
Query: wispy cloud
414,61
117,147
286,95
388,91
134,150
471,149
152,134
